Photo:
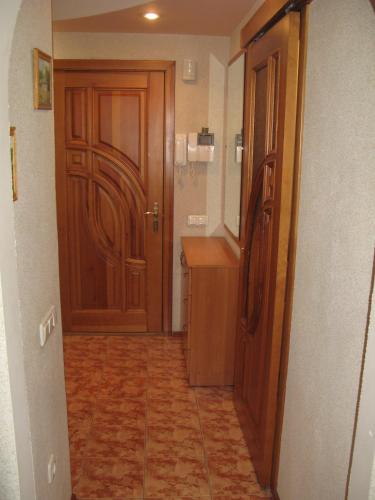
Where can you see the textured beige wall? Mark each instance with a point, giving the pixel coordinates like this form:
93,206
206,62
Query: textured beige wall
334,251
372,484
364,448
36,253
9,475
16,470
198,190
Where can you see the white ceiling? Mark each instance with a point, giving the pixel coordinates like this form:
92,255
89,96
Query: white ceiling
69,9
195,17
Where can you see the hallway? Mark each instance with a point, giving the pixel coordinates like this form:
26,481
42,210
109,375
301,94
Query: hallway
137,430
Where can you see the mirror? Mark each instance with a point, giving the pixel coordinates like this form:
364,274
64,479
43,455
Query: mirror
234,139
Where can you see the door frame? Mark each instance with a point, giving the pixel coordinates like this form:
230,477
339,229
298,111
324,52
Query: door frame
168,67
266,17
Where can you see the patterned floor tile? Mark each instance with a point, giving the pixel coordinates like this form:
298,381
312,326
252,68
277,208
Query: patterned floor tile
78,437
123,387
138,431
80,390
109,441
120,412
111,478
76,471
176,476
177,440
80,410
173,497
165,394
234,476
179,412
242,497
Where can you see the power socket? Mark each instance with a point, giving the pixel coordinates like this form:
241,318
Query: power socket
51,468
197,220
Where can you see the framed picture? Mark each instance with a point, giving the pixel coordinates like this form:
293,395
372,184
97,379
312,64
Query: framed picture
42,80
13,159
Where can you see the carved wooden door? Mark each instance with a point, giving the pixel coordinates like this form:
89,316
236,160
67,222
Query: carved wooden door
109,161
272,73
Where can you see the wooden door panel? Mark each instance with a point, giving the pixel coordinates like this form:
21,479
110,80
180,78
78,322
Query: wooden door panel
95,239
136,285
107,79
254,321
110,170
120,125
132,200
272,73
76,126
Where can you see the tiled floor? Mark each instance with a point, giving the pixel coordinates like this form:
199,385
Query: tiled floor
137,430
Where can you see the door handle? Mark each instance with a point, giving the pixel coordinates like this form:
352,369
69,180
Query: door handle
155,214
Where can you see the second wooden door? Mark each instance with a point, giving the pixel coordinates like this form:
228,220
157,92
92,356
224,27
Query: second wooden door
272,76
109,160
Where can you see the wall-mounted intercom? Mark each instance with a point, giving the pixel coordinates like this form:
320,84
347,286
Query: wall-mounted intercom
201,146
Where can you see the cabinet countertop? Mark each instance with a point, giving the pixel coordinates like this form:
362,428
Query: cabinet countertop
208,252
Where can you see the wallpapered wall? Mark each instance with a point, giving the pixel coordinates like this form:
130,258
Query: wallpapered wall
334,251
36,253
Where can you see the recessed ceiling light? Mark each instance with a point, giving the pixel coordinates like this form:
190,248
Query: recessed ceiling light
151,16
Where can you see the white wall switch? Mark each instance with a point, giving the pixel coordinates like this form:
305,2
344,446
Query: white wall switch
47,325
197,220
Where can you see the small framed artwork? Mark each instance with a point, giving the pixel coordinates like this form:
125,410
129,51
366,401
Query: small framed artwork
13,160
42,80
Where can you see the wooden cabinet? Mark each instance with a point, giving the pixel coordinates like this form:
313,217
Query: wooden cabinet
209,307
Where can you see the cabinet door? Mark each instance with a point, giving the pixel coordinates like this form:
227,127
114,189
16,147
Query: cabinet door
212,326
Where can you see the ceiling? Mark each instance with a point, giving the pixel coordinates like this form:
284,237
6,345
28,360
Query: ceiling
196,17
69,9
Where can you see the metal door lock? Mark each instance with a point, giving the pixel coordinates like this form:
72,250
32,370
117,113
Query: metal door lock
155,214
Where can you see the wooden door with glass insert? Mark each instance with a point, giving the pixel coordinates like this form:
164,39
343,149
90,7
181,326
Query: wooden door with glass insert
109,179
270,127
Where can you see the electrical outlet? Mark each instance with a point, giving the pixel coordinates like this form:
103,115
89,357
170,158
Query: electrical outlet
51,468
197,220
47,325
